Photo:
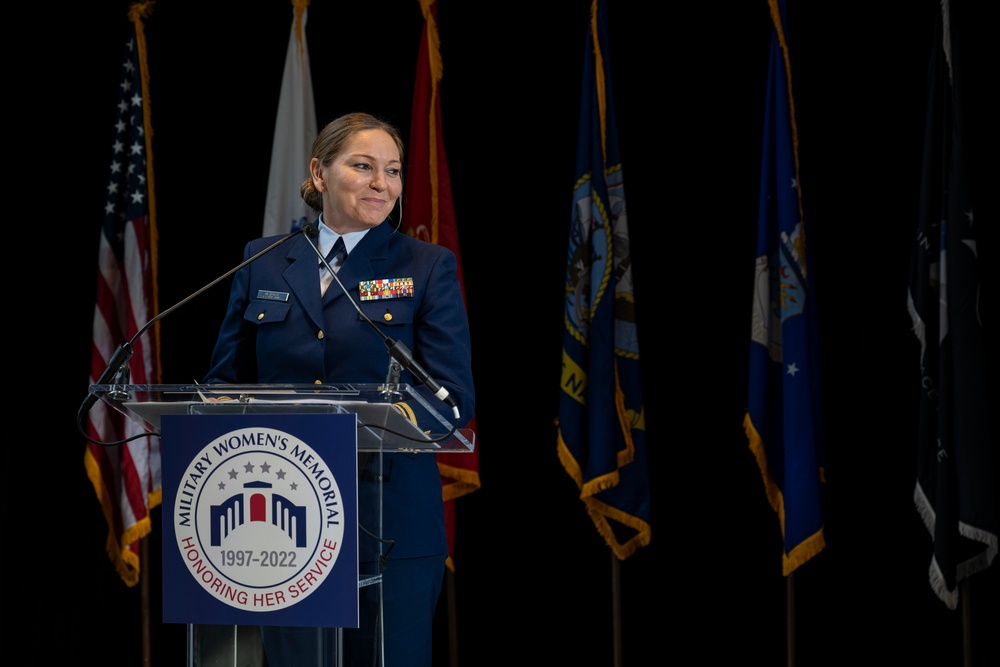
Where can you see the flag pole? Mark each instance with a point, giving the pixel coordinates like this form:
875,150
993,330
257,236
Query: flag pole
138,11
429,215
965,588
601,428
449,582
790,617
146,633
616,608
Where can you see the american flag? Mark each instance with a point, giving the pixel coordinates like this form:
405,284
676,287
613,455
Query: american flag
126,477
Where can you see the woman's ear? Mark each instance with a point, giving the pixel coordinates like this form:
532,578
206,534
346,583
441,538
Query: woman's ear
316,171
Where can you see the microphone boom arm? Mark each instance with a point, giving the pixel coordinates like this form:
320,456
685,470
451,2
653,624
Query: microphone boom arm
117,371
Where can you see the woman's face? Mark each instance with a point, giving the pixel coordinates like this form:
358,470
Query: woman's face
362,182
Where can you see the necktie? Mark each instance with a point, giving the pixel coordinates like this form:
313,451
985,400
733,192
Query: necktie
337,254
336,257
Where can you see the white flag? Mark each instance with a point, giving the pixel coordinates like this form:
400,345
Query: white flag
294,131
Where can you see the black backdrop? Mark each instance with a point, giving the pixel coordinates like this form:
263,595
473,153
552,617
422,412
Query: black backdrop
534,578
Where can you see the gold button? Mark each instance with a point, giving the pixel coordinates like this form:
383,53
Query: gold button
320,335
387,317
318,382
260,317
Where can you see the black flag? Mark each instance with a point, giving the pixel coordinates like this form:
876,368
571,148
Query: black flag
956,486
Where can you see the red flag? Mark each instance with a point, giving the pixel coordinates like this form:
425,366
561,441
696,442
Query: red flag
430,215
126,477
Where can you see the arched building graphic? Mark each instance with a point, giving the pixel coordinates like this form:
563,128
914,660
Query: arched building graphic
229,515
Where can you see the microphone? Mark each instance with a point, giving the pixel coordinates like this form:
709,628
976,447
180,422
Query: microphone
397,350
117,371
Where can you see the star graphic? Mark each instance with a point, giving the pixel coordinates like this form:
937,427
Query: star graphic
281,474
233,474
248,467
793,369
265,467
222,486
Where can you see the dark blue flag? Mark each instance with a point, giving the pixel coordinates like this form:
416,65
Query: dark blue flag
602,430
782,420
955,492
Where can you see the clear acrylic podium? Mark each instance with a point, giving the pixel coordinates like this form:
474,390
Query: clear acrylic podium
390,418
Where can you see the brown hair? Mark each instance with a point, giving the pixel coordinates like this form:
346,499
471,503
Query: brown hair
330,141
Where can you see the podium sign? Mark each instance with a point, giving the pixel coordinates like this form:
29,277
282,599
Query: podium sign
260,519
233,558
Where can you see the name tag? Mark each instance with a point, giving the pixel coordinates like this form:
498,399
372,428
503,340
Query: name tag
387,288
268,295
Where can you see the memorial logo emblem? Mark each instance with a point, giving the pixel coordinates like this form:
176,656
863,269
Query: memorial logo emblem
258,519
